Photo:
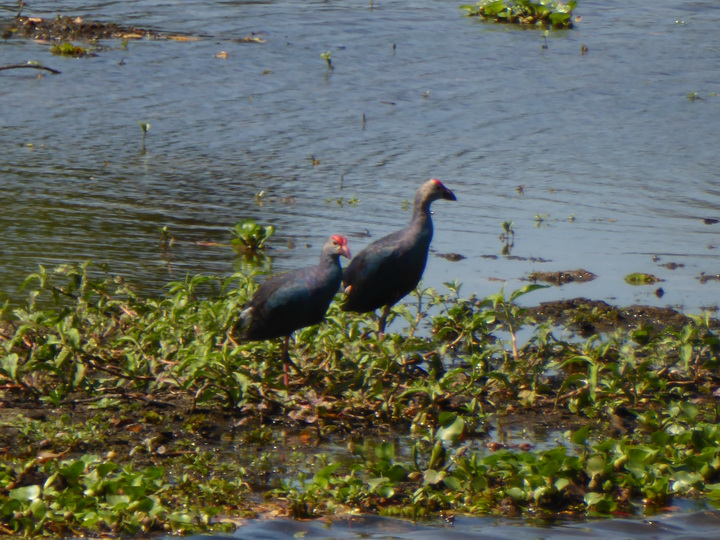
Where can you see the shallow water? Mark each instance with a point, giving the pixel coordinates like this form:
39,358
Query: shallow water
614,158
696,525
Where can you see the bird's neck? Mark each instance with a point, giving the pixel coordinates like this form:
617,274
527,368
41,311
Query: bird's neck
421,209
329,260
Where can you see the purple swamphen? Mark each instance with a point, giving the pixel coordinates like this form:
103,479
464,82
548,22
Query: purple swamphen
391,267
293,300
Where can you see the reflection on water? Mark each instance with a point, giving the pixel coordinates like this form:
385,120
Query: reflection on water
618,166
696,525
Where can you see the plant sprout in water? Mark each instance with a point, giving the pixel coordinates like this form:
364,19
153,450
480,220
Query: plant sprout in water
507,237
145,126
328,60
249,238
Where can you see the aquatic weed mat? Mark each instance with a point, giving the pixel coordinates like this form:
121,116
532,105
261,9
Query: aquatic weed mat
126,415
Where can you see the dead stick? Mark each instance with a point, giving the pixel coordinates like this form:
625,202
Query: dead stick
31,66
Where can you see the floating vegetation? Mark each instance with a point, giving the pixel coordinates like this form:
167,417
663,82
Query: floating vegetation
249,238
68,49
542,13
639,278
114,406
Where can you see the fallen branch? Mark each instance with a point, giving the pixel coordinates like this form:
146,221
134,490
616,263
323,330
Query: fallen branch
31,66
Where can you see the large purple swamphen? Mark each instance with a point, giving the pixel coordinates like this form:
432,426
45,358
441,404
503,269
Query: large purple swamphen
293,300
391,267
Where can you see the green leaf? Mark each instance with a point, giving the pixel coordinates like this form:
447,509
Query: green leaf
25,493
385,450
432,477
592,498
580,436
451,427
453,483
595,465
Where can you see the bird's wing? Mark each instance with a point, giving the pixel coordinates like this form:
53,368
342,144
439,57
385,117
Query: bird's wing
375,256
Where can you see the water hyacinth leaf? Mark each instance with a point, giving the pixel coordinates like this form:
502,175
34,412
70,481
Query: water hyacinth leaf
10,507
73,471
516,493
146,504
580,436
451,427
432,477
385,450
561,483
10,366
396,473
592,498
326,472
181,517
118,502
595,465
713,492
380,485
453,483
684,480
25,493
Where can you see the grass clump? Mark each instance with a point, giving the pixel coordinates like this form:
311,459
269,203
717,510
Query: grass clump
542,13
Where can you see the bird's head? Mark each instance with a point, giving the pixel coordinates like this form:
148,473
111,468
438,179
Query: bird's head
338,245
438,190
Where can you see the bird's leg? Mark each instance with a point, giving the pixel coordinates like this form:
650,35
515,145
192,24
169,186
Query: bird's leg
383,320
288,361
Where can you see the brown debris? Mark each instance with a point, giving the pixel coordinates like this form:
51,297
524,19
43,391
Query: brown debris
72,28
591,316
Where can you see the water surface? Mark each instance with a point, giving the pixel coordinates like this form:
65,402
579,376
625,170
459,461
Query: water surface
618,166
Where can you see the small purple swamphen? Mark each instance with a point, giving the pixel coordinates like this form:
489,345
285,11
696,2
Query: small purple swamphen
293,300
391,267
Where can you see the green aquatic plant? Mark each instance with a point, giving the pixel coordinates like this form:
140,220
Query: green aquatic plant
135,389
248,237
507,237
540,13
640,278
326,56
68,49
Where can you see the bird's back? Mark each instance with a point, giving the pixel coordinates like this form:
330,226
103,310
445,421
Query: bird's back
287,302
386,270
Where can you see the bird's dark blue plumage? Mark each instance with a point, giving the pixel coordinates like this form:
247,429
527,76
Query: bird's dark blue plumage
391,267
296,299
